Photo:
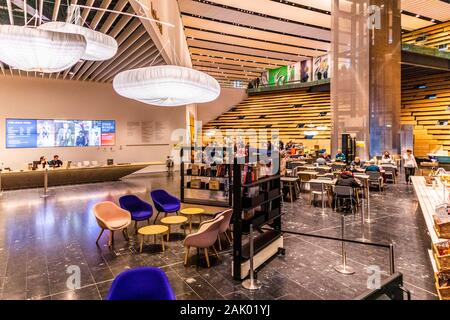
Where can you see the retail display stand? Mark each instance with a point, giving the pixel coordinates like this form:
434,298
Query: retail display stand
256,202
213,177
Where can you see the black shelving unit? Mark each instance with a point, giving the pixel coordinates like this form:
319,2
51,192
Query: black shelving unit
263,208
186,174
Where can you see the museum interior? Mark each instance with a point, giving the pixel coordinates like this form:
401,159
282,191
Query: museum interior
225,150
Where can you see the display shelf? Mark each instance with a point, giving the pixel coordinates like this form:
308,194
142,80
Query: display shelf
203,176
429,198
268,202
185,175
260,242
259,181
202,189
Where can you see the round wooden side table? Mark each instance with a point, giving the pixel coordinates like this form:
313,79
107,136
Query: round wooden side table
152,230
174,220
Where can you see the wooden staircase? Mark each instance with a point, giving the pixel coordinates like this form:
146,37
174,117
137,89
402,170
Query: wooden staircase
292,113
426,105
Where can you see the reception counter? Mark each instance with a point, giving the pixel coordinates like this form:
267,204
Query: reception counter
23,179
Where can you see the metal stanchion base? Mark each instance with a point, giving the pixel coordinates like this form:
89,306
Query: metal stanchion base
344,269
44,195
251,285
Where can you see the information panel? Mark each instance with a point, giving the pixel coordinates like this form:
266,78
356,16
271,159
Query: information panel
31,133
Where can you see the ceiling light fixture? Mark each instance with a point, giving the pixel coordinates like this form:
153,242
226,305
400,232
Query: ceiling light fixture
167,86
30,49
99,45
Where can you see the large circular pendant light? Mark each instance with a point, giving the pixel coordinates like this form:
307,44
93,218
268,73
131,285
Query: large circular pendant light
31,49
167,86
99,45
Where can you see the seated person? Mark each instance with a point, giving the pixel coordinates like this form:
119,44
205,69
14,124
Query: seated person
55,163
283,163
327,157
372,166
357,163
387,158
347,179
321,161
340,156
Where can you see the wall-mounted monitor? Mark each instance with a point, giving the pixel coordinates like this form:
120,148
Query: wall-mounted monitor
34,133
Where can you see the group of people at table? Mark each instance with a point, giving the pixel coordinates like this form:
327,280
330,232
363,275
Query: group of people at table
347,177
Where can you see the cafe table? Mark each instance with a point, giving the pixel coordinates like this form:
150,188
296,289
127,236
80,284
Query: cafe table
323,182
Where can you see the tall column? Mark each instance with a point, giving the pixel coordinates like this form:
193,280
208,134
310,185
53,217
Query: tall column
365,83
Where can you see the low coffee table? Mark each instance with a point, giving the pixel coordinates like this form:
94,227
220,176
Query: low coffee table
174,220
190,212
153,230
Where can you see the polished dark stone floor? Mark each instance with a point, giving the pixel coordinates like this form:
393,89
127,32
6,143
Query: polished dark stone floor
40,239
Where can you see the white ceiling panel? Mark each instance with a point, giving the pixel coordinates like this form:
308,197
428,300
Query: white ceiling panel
246,19
262,54
435,9
280,10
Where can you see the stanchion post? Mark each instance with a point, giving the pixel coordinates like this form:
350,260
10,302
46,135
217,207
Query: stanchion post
368,220
363,205
323,204
343,268
45,194
1,188
251,283
391,258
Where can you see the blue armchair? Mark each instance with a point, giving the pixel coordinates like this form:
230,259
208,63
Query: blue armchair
165,202
139,209
143,283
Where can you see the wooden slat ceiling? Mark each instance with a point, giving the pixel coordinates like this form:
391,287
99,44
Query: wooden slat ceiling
245,37
136,48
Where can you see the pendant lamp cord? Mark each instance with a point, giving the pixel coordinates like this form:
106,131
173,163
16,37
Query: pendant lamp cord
159,54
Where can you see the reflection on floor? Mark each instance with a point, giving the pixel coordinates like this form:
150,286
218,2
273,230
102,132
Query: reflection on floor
40,239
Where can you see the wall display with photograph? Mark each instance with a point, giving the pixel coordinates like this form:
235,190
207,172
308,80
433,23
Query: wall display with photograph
278,76
321,67
34,133
306,70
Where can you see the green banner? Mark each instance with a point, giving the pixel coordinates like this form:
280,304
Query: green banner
278,76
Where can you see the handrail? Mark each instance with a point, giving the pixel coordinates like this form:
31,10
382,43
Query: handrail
373,244
287,85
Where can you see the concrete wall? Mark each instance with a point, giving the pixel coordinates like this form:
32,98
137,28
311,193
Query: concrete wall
228,98
35,98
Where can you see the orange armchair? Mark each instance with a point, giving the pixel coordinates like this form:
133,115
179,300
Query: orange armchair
113,218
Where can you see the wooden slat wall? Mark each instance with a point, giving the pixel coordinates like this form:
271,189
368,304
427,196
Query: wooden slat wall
436,35
425,114
277,110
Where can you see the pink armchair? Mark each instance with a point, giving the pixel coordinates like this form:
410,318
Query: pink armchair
203,238
113,218
224,226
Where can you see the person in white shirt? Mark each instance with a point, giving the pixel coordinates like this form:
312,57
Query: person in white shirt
410,165
387,158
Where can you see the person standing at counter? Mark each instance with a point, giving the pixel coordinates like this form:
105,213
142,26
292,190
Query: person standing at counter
410,165
55,163
43,161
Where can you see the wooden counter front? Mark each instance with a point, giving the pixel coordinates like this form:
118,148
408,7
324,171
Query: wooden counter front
11,180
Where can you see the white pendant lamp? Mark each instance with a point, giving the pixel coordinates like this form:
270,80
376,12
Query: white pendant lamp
99,45
31,49
167,85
